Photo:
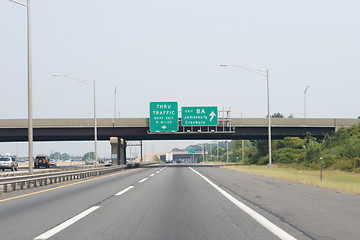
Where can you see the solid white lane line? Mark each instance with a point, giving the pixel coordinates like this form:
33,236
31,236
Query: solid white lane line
143,180
259,218
124,191
65,224
152,175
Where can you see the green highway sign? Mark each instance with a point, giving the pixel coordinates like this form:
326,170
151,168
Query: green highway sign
191,151
164,117
199,116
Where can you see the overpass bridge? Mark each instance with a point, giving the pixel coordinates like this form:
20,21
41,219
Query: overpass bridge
15,130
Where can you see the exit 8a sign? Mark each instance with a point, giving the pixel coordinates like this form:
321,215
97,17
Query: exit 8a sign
164,116
199,116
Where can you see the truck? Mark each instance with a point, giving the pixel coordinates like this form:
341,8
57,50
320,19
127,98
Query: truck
169,157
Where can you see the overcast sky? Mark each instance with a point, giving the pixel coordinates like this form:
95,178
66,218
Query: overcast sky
163,50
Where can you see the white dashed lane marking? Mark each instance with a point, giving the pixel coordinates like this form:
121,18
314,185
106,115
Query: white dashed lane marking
65,224
143,180
124,191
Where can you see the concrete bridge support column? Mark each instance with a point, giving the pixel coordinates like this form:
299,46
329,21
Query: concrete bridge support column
118,151
114,151
122,151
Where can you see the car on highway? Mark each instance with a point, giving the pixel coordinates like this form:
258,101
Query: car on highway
41,161
108,162
90,162
53,162
8,162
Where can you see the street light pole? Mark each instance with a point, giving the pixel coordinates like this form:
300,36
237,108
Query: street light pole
30,118
93,84
217,151
263,73
95,125
114,107
305,100
242,145
227,151
242,150
204,152
269,117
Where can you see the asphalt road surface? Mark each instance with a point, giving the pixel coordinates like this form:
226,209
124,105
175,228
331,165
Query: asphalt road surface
179,203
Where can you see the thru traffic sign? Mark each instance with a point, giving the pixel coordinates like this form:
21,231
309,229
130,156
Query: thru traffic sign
164,116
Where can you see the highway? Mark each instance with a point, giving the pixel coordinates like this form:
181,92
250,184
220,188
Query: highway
167,202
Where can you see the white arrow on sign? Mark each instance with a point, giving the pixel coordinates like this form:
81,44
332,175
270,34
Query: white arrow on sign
212,114
163,126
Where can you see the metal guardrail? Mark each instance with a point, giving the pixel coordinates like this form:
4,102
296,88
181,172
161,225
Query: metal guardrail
45,171
32,181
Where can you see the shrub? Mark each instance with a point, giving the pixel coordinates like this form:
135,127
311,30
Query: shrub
329,160
312,151
314,165
352,149
286,156
344,165
293,142
263,160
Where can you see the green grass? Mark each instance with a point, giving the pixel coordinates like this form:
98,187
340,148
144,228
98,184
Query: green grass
331,179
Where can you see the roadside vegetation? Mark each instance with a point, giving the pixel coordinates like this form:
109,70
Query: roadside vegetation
339,151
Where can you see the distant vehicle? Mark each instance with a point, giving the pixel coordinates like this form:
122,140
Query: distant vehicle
169,157
108,162
8,163
53,162
41,161
178,161
90,162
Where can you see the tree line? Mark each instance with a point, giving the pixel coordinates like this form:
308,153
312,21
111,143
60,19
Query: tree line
339,150
64,156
